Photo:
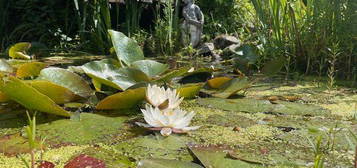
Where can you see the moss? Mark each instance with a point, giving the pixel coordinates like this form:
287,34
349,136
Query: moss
57,156
219,135
344,110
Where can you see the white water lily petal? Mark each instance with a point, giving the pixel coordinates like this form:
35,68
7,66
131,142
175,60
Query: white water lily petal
158,95
168,120
184,121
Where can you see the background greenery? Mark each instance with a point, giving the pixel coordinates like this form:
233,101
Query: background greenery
317,37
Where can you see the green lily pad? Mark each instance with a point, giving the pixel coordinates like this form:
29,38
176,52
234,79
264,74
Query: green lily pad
92,128
156,146
165,163
30,69
263,106
67,79
150,67
189,91
110,75
58,94
216,158
123,100
230,88
173,74
128,51
19,50
29,97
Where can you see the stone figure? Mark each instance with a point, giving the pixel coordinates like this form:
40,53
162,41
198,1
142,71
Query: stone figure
193,23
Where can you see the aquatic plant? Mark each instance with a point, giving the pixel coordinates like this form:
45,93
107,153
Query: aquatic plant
167,116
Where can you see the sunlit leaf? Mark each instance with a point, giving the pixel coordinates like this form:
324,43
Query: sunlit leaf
19,51
58,94
128,51
29,97
232,87
189,91
151,68
30,69
216,83
67,79
123,100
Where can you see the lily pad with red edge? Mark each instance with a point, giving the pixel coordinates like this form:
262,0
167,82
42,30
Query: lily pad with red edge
83,161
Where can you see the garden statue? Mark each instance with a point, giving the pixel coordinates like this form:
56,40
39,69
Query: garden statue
193,23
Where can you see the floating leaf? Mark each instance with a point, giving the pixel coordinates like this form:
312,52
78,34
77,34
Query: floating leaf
245,105
165,163
128,51
189,91
19,50
67,79
85,161
261,106
150,67
5,66
123,100
110,75
213,157
58,94
175,73
30,69
29,97
216,83
232,87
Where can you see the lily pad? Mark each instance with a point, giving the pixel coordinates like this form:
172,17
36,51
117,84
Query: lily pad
231,87
123,100
150,67
173,74
216,83
67,79
57,93
30,69
263,106
189,91
29,97
128,51
244,105
110,75
215,157
165,163
19,51
92,128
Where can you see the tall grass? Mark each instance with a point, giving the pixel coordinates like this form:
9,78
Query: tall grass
94,20
303,30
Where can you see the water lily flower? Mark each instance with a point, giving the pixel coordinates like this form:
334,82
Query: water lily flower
165,100
176,120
